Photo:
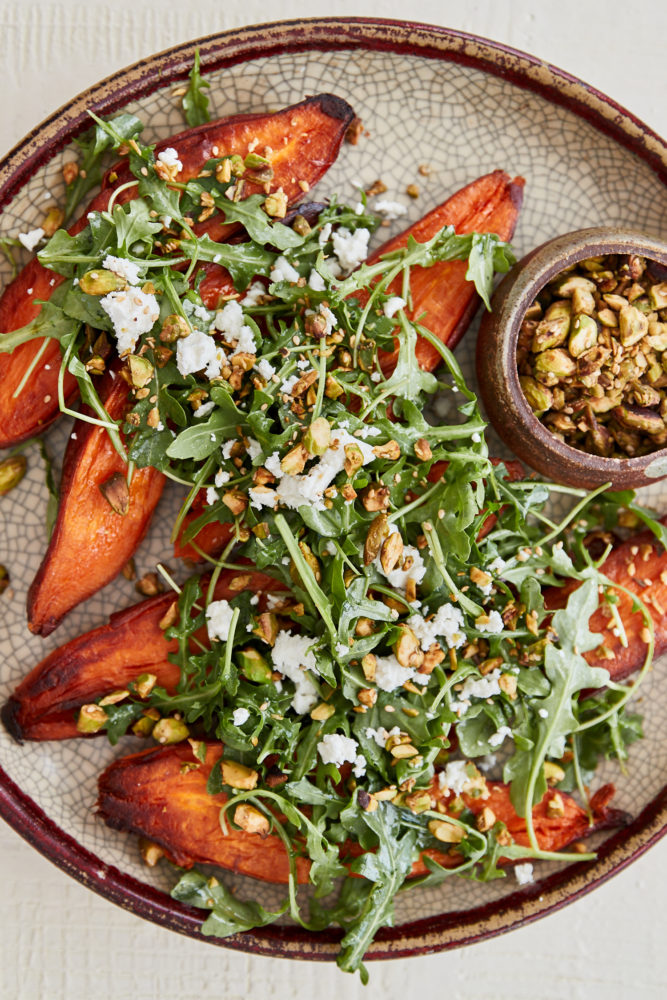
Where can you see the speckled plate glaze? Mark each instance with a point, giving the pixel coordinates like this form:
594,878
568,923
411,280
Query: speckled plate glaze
426,95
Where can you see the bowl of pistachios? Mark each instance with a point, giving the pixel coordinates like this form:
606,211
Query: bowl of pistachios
572,359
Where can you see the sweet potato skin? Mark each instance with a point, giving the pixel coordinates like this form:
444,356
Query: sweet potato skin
640,563
44,705
315,129
441,296
86,526
149,795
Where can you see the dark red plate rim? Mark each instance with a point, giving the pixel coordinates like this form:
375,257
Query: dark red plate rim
448,930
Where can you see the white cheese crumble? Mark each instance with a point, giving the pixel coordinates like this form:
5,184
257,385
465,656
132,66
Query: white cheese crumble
212,496
289,384
381,735
254,294
494,625
351,249
392,306
240,715
524,873
292,656
282,270
389,674
169,157
218,619
325,233
316,281
196,352
262,497
498,737
229,321
477,687
227,448
308,489
123,268
334,748
265,369
221,477
30,239
203,409
390,209
454,776
446,623
132,313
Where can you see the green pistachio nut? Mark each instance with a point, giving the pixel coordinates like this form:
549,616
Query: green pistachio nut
639,418
253,666
254,161
555,362
550,333
538,396
632,324
657,296
583,301
168,731
567,285
318,436
141,371
583,335
12,471
173,328
101,282
91,719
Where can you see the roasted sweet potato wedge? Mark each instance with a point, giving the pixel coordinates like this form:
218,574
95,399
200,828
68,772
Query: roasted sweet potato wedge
92,540
305,140
148,794
640,564
440,294
45,704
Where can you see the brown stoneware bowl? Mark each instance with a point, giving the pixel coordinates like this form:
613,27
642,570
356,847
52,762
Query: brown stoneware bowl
506,405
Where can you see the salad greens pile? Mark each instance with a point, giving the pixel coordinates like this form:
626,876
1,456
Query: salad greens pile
401,644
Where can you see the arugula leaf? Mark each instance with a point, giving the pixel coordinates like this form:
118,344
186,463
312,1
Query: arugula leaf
243,260
195,101
228,914
202,439
387,869
93,145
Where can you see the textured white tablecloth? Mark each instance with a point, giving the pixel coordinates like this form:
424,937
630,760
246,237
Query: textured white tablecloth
58,940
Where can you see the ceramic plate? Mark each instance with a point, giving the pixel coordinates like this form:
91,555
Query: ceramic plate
464,106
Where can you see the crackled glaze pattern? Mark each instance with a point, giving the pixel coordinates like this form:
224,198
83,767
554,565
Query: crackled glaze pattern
463,123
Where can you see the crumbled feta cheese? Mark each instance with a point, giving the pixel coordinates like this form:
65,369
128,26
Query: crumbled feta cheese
262,497
308,489
454,776
389,674
254,599
229,321
221,477
446,623
524,873
334,748
498,737
227,448
203,409
289,384
392,306
30,239
123,268
292,656
265,369
254,294
477,687
390,209
488,762
211,496
196,352
494,625
331,320
282,270
325,233
366,432
272,464
381,735
316,281
240,715
342,649
302,363
351,248
170,158
359,769
132,313
218,619
254,449
359,208
496,566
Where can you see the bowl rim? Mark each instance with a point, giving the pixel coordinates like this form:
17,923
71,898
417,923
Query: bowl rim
444,931
528,278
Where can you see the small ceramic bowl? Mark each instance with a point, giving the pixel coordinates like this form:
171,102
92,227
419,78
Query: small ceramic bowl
506,405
